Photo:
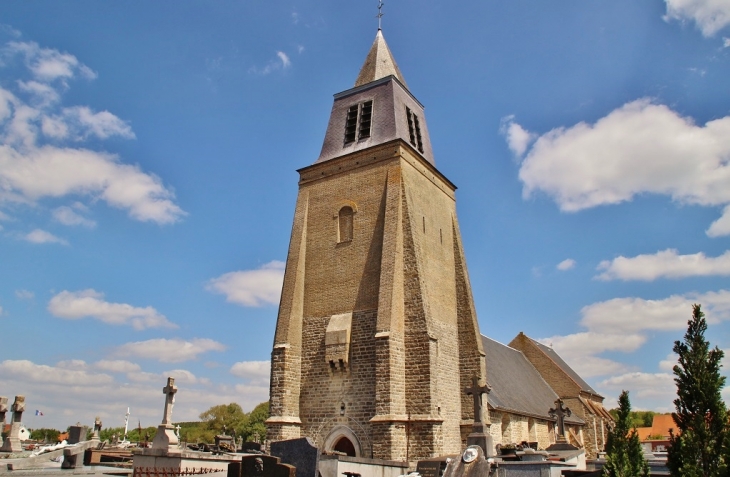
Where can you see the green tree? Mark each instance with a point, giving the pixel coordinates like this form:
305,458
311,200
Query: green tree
230,416
699,449
637,418
254,428
624,455
45,435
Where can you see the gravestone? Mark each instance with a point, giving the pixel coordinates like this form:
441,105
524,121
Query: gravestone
254,447
77,433
3,411
260,466
434,467
12,443
165,437
301,453
471,463
560,413
478,437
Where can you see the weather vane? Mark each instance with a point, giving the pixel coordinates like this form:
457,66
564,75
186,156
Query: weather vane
380,13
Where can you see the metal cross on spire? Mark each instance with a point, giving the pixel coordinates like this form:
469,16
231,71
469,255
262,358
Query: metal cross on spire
380,13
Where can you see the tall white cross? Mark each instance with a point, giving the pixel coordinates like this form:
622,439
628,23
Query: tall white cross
169,392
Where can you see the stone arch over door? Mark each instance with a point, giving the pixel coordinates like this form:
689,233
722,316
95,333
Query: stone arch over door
335,439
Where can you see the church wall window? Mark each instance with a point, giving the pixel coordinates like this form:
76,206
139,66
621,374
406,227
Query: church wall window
358,123
414,130
344,222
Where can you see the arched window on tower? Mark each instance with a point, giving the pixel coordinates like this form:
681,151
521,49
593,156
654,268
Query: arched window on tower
345,224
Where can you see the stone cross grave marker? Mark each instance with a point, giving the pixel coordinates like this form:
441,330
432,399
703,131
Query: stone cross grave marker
476,391
169,391
478,437
165,437
560,413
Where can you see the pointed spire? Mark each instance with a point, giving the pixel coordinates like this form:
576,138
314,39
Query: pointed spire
379,63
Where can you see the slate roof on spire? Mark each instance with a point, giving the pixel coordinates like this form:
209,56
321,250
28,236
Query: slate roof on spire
379,63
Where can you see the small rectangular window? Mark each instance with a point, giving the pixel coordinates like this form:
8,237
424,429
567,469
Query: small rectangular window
365,119
351,124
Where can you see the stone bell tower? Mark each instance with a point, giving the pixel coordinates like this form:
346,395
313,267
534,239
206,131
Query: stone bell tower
377,335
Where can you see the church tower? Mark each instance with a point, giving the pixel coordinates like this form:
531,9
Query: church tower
377,335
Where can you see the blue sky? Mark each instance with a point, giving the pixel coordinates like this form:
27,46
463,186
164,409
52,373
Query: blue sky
148,156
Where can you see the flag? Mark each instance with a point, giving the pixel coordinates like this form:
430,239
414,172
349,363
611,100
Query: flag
38,413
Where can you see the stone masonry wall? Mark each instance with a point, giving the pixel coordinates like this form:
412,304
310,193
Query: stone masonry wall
333,277
325,391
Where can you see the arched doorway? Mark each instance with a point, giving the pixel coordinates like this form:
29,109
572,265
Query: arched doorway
345,446
343,439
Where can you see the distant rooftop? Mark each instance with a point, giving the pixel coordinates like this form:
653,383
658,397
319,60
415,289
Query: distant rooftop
516,384
564,366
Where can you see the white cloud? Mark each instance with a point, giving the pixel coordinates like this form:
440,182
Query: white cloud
256,371
73,391
710,15
42,92
117,366
50,171
621,325
664,264
644,385
67,216
251,287
75,364
638,148
566,264
281,62
41,236
285,62
52,375
48,64
726,42
10,31
183,376
634,315
36,164
90,304
518,139
24,294
169,350
78,123
580,350
668,363
1,311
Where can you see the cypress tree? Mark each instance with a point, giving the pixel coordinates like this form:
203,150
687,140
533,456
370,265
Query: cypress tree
701,416
624,455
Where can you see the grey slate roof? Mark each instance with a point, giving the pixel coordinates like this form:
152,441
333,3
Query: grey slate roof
379,63
564,366
516,385
381,82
